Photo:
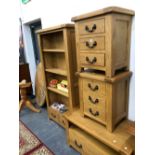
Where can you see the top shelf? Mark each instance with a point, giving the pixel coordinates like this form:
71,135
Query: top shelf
53,50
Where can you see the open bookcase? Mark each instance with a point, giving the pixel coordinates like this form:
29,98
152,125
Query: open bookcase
57,48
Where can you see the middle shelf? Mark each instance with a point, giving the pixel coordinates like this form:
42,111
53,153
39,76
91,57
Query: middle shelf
55,90
53,50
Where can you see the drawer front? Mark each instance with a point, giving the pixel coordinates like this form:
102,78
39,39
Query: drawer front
75,140
90,146
93,88
94,102
53,114
92,26
63,121
97,148
92,44
95,112
94,99
92,60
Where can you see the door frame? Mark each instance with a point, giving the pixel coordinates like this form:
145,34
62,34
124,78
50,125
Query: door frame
29,50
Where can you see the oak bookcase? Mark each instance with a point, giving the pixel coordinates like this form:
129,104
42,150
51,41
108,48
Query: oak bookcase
57,48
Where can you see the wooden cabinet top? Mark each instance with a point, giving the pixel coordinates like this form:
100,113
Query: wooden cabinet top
46,30
104,11
121,76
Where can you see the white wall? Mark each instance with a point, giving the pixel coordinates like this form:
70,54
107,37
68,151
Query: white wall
29,53
55,12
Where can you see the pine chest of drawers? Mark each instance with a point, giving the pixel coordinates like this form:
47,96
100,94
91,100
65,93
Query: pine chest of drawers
103,40
103,99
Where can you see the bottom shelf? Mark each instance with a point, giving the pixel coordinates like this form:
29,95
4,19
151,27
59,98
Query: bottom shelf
57,116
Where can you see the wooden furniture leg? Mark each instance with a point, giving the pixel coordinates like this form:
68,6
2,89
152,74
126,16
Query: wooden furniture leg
24,99
20,105
31,107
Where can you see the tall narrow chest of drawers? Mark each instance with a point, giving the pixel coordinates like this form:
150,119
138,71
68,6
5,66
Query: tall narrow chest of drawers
103,49
103,40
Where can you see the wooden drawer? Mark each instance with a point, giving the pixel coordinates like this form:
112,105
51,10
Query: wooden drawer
75,140
93,43
93,88
89,145
63,121
108,33
97,113
92,60
53,114
93,102
94,99
95,26
94,147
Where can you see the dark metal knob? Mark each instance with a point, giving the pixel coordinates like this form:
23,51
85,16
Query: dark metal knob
94,114
78,145
92,29
93,89
91,100
91,61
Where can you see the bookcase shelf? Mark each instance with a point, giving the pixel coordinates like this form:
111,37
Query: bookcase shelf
57,71
55,90
53,50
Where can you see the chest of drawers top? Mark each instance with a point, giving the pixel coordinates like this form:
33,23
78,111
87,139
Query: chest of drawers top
104,11
103,40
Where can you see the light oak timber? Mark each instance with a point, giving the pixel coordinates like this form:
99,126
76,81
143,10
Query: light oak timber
57,71
86,144
55,90
130,127
100,77
53,50
69,41
58,55
24,98
106,31
43,67
119,140
104,99
55,28
53,41
104,11
57,117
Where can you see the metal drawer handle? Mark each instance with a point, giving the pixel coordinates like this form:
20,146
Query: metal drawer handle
91,44
91,100
91,61
63,122
93,28
78,145
94,114
53,115
93,89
